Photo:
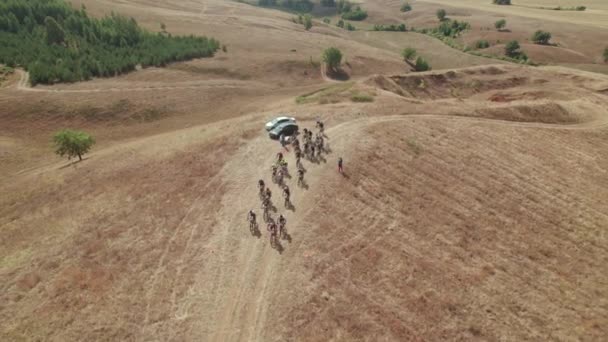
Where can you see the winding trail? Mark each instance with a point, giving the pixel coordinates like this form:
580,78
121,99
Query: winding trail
24,85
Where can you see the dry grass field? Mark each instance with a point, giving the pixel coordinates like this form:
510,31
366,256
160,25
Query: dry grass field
473,206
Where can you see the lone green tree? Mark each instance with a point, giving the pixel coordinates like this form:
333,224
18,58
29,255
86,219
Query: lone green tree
441,14
512,49
500,24
72,143
541,37
332,58
54,33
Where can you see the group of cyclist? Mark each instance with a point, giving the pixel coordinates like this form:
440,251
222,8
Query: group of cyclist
279,172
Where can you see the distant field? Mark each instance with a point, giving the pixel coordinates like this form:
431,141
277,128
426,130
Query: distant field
596,14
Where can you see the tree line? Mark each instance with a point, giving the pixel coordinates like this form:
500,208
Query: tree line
57,43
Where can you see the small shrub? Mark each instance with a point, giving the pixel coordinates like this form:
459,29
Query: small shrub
422,65
512,50
224,48
340,23
350,27
362,98
408,53
72,143
482,44
581,8
441,14
332,57
406,7
327,20
541,37
307,22
606,54
500,24
502,2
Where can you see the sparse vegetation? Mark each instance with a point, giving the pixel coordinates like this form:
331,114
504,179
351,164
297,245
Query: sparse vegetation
357,14
501,2
392,27
362,98
449,28
350,27
72,143
408,53
482,44
441,14
57,43
500,24
606,54
327,20
332,58
330,94
541,37
406,7
560,8
413,145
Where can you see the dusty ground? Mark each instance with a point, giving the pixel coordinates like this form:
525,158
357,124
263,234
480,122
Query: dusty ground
473,206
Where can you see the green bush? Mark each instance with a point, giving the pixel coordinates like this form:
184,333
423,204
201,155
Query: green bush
57,43
451,28
350,27
502,2
307,22
408,53
441,14
482,44
72,143
422,65
541,37
392,27
340,23
406,7
500,24
327,20
328,3
357,14
606,54
332,58
512,50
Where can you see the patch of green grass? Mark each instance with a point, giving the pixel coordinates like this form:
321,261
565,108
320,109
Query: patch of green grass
322,95
362,98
